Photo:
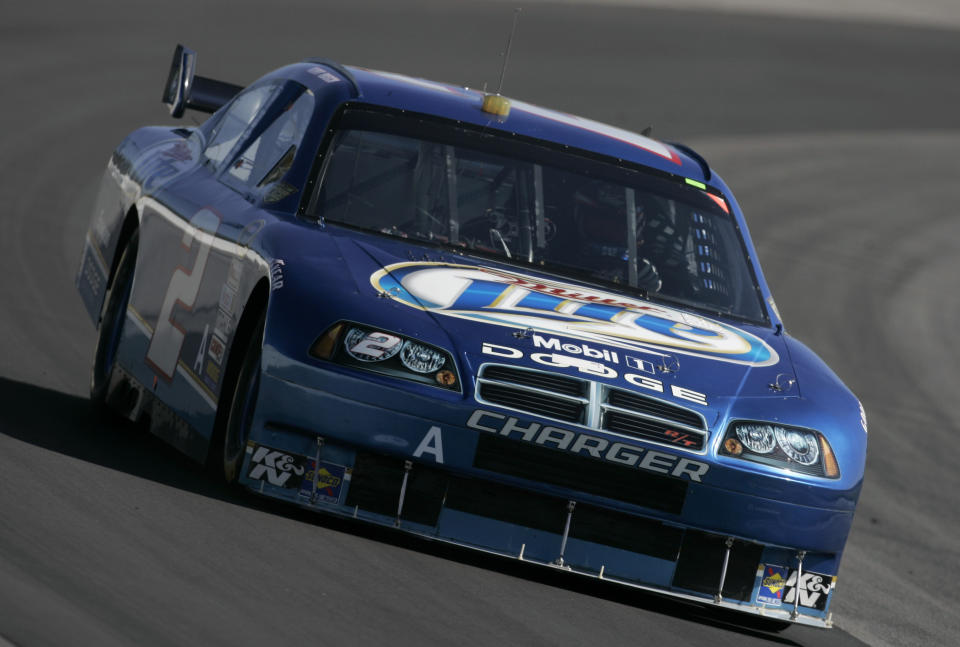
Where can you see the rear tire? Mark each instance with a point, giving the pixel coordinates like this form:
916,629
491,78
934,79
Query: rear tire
112,318
243,400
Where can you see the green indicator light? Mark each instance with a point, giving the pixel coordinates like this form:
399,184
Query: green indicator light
699,185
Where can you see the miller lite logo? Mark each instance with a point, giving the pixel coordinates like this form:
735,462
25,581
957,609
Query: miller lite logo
516,300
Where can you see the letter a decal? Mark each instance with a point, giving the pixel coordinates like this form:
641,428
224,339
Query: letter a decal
432,443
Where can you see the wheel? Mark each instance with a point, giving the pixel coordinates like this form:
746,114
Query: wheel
243,400
112,317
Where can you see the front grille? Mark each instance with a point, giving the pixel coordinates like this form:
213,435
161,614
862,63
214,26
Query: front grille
659,408
651,430
580,473
538,379
541,404
598,406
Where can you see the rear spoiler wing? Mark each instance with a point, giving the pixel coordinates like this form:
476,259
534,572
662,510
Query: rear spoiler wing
185,89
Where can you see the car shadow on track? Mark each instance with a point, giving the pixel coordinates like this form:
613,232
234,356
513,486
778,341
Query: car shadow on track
67,424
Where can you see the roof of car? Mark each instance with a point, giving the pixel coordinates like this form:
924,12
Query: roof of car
464,104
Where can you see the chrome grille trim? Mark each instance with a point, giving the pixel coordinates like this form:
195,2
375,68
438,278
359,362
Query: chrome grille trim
654,408
596,405
547,406
632,412
554,382
648,416
533,389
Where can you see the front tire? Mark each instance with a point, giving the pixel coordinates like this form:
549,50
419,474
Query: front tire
112,318
243,400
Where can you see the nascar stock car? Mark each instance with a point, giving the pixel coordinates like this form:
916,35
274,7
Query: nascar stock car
476,320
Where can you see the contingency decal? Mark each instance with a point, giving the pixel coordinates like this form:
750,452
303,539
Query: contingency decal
224,324
507,298
324,74
92,277
293,471
772,585
780,586
813,589
276,467
330,480
276,274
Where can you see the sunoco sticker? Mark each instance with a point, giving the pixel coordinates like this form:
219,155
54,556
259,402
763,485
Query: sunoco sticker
330,477
773,584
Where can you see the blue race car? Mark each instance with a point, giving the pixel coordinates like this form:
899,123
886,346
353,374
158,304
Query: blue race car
476,320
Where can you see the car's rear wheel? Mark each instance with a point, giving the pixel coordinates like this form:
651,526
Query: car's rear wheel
243,400
112,318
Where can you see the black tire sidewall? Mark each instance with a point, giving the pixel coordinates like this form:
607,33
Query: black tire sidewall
242,404
112,319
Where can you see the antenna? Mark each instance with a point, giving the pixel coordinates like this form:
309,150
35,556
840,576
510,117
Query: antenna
506,56
496,104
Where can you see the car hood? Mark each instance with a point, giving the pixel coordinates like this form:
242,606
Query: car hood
487,311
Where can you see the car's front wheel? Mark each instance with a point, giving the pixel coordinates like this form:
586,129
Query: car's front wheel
243,400
112,318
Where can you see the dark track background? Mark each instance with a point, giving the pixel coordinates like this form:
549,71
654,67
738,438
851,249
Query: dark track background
839,140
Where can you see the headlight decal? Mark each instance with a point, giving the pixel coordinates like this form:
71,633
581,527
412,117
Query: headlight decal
370,345
782,446
420,358
800,446
759,439
387,353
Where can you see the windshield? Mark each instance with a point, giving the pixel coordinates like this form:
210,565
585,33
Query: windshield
486,193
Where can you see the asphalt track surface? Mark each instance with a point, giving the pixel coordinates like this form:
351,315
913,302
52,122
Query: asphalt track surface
840,140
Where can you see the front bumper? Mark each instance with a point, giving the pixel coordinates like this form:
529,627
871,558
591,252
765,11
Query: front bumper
358,446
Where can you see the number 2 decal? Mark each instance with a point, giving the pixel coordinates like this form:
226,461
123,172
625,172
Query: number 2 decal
167,341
